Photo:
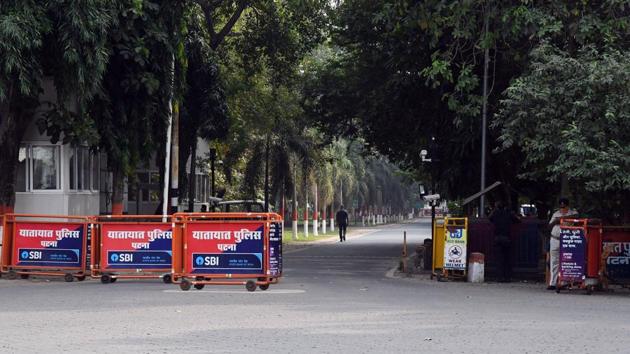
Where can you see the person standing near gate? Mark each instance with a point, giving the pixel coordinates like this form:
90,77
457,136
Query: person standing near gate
554,241
502,218
342,222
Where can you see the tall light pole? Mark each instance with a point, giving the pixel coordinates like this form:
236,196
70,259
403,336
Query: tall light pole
482,200
267,175
213,157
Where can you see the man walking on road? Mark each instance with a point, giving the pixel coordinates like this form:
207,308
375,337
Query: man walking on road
342,222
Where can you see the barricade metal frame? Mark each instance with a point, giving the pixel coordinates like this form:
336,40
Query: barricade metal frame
198,280
69,273
611,234
111,275
439,271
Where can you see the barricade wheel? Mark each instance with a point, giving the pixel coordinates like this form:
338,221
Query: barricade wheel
24,276
106,279
264,286
250,285
81,278
12,275
68,277
185,284
199,286
167,279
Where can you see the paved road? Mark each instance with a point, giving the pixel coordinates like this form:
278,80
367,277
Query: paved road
335,298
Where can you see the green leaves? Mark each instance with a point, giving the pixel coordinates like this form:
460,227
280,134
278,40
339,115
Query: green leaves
23,25
571,114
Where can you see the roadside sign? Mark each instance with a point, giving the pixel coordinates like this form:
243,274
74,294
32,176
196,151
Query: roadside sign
455,248
572,254
275,249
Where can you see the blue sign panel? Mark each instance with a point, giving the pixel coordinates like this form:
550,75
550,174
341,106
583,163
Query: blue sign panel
140,259
228,261
275,249
572,254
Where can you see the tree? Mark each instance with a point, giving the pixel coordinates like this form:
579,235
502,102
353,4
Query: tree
130,112
204,110
261,66
571,118
61,40
400,73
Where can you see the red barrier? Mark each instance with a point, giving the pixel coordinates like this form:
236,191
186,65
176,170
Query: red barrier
614,266
45,245
227,249
131,246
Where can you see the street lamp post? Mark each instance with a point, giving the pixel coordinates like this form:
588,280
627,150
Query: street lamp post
433,158
213,157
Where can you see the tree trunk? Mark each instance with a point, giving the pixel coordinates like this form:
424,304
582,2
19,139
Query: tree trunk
315,209
12,128
8,163
191,178
118,184
175,160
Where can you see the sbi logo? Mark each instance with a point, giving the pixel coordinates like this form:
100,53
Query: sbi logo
207,261
121,258
31,255
457,233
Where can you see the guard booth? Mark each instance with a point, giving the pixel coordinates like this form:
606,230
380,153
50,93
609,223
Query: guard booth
49,245
131,246
227,249
450,248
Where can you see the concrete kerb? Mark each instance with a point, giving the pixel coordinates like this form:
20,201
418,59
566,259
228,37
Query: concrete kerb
424,277
352,234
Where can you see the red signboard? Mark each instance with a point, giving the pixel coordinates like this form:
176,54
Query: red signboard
136,246
49,245
225,248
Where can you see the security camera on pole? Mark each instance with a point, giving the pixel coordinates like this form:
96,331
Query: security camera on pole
432,198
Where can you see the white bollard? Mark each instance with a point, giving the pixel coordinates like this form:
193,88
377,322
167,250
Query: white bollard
476,265
295,229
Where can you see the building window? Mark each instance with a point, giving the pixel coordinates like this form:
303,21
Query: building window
83,169
201,188
45,167
38,168
95,171
22,170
